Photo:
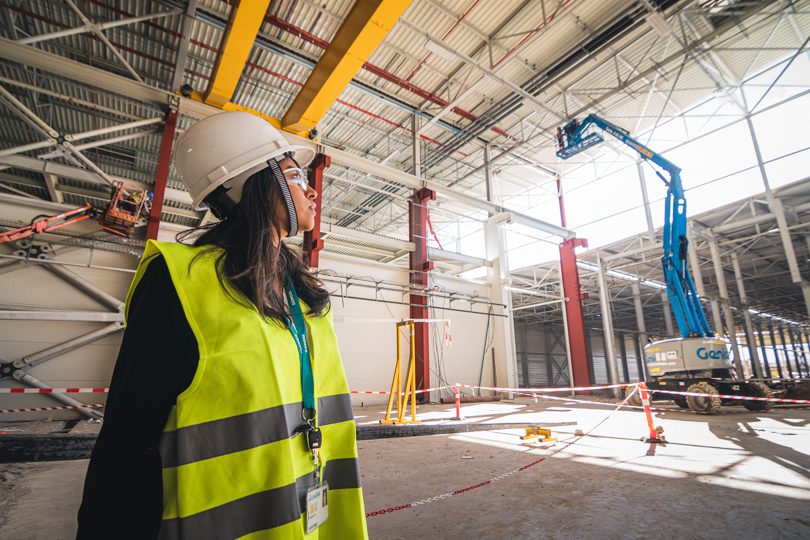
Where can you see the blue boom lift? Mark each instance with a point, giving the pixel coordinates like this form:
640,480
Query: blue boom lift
698,361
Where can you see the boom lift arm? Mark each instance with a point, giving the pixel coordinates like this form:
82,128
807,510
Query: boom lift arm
119,217
680,288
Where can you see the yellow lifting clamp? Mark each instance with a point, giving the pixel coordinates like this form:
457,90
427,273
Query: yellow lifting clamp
534,433
410,385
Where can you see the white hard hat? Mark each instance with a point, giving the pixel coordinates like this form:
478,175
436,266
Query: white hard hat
229,147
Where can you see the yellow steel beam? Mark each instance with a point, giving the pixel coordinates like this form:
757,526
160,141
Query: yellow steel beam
228,106
237,41
363,29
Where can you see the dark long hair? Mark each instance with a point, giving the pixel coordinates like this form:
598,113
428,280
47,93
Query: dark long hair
250,261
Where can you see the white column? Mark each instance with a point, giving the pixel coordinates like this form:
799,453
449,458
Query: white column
607,325
721,285
416,147
646,199
667,315
642,329
749,324
697,277
781,220
503,336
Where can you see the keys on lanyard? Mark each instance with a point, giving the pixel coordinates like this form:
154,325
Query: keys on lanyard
313,436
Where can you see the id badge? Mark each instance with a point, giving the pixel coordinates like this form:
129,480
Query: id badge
317,506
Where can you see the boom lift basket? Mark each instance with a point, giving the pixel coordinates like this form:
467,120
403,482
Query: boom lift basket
122,213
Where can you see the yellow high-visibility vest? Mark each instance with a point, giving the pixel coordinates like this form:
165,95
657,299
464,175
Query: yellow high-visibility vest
230,466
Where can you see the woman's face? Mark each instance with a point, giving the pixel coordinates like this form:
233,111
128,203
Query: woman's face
304,199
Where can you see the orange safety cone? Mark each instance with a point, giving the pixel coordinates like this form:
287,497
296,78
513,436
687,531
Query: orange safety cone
655,435
458,403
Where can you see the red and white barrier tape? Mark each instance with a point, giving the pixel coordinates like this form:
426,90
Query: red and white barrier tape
544,390
505,475
459,491
740,398
398,393
626,406
53,390
53,408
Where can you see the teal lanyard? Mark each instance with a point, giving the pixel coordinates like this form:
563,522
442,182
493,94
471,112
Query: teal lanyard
298,329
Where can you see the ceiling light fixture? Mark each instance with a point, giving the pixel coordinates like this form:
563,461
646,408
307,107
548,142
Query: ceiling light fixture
535,106
441,50
658,23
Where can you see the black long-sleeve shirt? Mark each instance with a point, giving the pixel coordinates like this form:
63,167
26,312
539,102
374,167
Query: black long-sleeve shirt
123,490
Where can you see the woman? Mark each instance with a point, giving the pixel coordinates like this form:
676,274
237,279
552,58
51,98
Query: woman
229,401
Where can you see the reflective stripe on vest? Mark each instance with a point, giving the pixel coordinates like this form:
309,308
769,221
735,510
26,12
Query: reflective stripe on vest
253,513
230,466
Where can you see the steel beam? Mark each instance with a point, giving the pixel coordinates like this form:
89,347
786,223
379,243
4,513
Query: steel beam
76,173
97,31
419,267
109,140
72,316
566,333
694,262
667,309
781,220
460,257
90,26
368,237
245,19
746,315
84,285
312,239
89,75
504,362
56,137
67,346
758,325
785,350
121,85
408,180
182,48
30,380
529,97
607,325
755,7
775,349
646,199
416,146
642,331
488,171
802,337
379,170
798,354
361,32
164,161
623,351
574,314
721,285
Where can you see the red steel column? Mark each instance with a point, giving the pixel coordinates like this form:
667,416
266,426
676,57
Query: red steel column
162,174
312,239
577,342
574,315
419,266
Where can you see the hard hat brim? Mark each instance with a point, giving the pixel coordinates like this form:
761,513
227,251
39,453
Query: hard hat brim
303,156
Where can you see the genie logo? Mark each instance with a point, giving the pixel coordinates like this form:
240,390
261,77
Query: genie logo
703,354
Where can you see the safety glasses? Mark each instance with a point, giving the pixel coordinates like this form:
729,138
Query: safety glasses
296,176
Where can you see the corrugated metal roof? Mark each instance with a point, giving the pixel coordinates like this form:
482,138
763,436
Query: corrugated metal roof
376,122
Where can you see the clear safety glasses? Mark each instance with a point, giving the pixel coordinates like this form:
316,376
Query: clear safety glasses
297,177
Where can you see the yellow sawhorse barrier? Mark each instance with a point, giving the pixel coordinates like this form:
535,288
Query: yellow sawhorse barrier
410,385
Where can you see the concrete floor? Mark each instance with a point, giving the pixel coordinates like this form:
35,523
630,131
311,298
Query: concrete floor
742,475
